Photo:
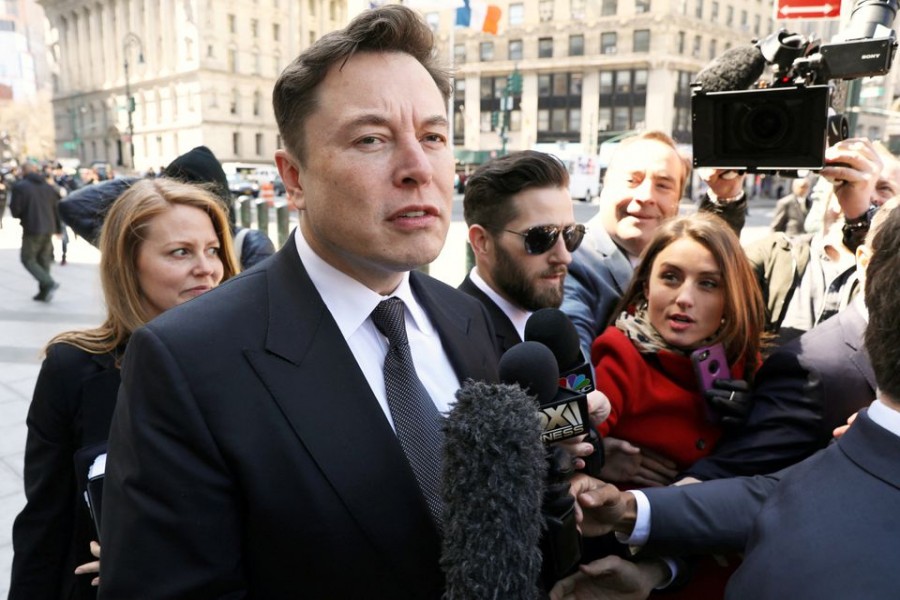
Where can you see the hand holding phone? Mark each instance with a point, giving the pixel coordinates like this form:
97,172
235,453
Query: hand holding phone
710,364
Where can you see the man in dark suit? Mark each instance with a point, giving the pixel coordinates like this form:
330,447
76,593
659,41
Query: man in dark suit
791,211
36,204
256,448
522,233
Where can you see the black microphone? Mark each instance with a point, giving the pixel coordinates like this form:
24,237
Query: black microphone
563,415
735,69
553,328
494,483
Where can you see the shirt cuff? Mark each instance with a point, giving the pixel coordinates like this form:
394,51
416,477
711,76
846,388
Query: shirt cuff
641,532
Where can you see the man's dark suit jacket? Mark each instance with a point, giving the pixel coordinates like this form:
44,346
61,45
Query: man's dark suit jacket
801,393
506,333
248,456
830,529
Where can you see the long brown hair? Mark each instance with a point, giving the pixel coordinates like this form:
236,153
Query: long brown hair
744,311
121,237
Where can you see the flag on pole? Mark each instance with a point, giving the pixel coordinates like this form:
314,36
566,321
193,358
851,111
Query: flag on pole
483,17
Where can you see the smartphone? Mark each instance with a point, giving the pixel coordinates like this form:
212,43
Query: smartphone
710,364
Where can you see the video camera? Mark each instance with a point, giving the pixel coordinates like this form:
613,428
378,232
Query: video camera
787,122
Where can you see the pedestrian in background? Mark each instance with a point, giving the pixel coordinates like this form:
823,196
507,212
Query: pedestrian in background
34,202
163,242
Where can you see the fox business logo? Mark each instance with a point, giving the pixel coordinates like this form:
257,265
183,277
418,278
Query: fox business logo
561,421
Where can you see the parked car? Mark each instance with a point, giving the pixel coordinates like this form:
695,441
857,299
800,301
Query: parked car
242,187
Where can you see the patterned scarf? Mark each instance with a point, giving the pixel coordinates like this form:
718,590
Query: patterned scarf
635,324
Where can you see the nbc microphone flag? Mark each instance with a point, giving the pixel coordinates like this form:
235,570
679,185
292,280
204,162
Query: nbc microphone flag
484,17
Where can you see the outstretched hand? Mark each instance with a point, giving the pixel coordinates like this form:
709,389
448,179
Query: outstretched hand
612,578
627,463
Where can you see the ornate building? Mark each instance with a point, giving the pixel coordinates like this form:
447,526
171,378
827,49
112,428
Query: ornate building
198,71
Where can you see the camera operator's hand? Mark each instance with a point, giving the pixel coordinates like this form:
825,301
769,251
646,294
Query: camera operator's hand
723,183
601,507
612,578
731,399
626,463
853,166
91,567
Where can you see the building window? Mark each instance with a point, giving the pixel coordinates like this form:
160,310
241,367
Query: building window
236,143
623,82
232,24
641,40
744,19
756,23
486,51
576,45
210,53
642,6
608,8
459,53
712,49
459,90
697,42
640,81
257,101
278,145
515,49
276,31
254,27
698,9
235,98
680,42
576,9
729,15
257,63
232,60
312,7
259,144
715,12
545,10
608,42
516,14
559,107
545,48
434,20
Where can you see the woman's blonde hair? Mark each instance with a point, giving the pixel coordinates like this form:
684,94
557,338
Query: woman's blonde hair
123,232
744,313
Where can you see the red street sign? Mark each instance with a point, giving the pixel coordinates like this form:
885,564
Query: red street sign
807,9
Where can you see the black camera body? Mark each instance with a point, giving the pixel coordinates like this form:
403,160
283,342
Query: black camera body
786,124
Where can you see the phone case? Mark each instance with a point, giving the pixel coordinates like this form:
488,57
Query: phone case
710,364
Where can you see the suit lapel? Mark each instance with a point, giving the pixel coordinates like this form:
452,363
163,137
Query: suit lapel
315,380
505,331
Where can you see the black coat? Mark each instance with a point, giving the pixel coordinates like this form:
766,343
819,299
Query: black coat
72,408
34,202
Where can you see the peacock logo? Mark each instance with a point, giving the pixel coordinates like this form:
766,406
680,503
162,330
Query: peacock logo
576,383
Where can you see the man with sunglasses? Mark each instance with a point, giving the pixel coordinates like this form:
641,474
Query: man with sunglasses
522,233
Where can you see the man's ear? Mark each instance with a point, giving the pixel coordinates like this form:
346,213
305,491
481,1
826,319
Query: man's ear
480,240
863,256
289,169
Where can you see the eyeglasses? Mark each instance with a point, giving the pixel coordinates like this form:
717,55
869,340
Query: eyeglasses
541,238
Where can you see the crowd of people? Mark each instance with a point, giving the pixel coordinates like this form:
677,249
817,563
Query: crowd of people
277,433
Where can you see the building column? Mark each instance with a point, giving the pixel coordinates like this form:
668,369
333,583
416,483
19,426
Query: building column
660,110
590,107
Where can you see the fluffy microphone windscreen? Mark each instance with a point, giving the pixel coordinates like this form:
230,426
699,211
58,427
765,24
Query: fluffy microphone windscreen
736,69
494,480
553,328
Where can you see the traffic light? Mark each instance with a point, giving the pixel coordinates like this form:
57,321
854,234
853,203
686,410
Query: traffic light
514,83
131,104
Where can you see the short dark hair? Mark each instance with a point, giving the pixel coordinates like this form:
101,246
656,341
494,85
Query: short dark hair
391,28
883,302
490,188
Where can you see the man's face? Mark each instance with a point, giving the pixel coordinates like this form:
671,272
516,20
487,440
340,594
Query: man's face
641,189
888,184
531,281
377,187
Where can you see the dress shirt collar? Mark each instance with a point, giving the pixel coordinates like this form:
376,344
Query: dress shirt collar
349,301
885,416
518,316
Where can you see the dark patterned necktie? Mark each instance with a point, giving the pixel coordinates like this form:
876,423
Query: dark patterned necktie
416,418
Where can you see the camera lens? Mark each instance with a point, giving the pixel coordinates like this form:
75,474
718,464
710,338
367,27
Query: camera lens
765,125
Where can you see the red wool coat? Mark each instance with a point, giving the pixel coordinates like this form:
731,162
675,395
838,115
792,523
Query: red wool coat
655,399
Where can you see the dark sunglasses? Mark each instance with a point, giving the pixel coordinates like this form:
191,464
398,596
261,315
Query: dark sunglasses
541,238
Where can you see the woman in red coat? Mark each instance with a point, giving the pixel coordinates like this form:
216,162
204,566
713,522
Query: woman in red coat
693,288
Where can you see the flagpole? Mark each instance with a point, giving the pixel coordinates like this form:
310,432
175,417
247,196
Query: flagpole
450,100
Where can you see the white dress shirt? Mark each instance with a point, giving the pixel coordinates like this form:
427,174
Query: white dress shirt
351,304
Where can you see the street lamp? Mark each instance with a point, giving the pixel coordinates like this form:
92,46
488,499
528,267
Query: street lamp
131,39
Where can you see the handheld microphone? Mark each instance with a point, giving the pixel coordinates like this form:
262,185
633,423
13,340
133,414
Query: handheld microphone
563,414
735,69
494,484
553,328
